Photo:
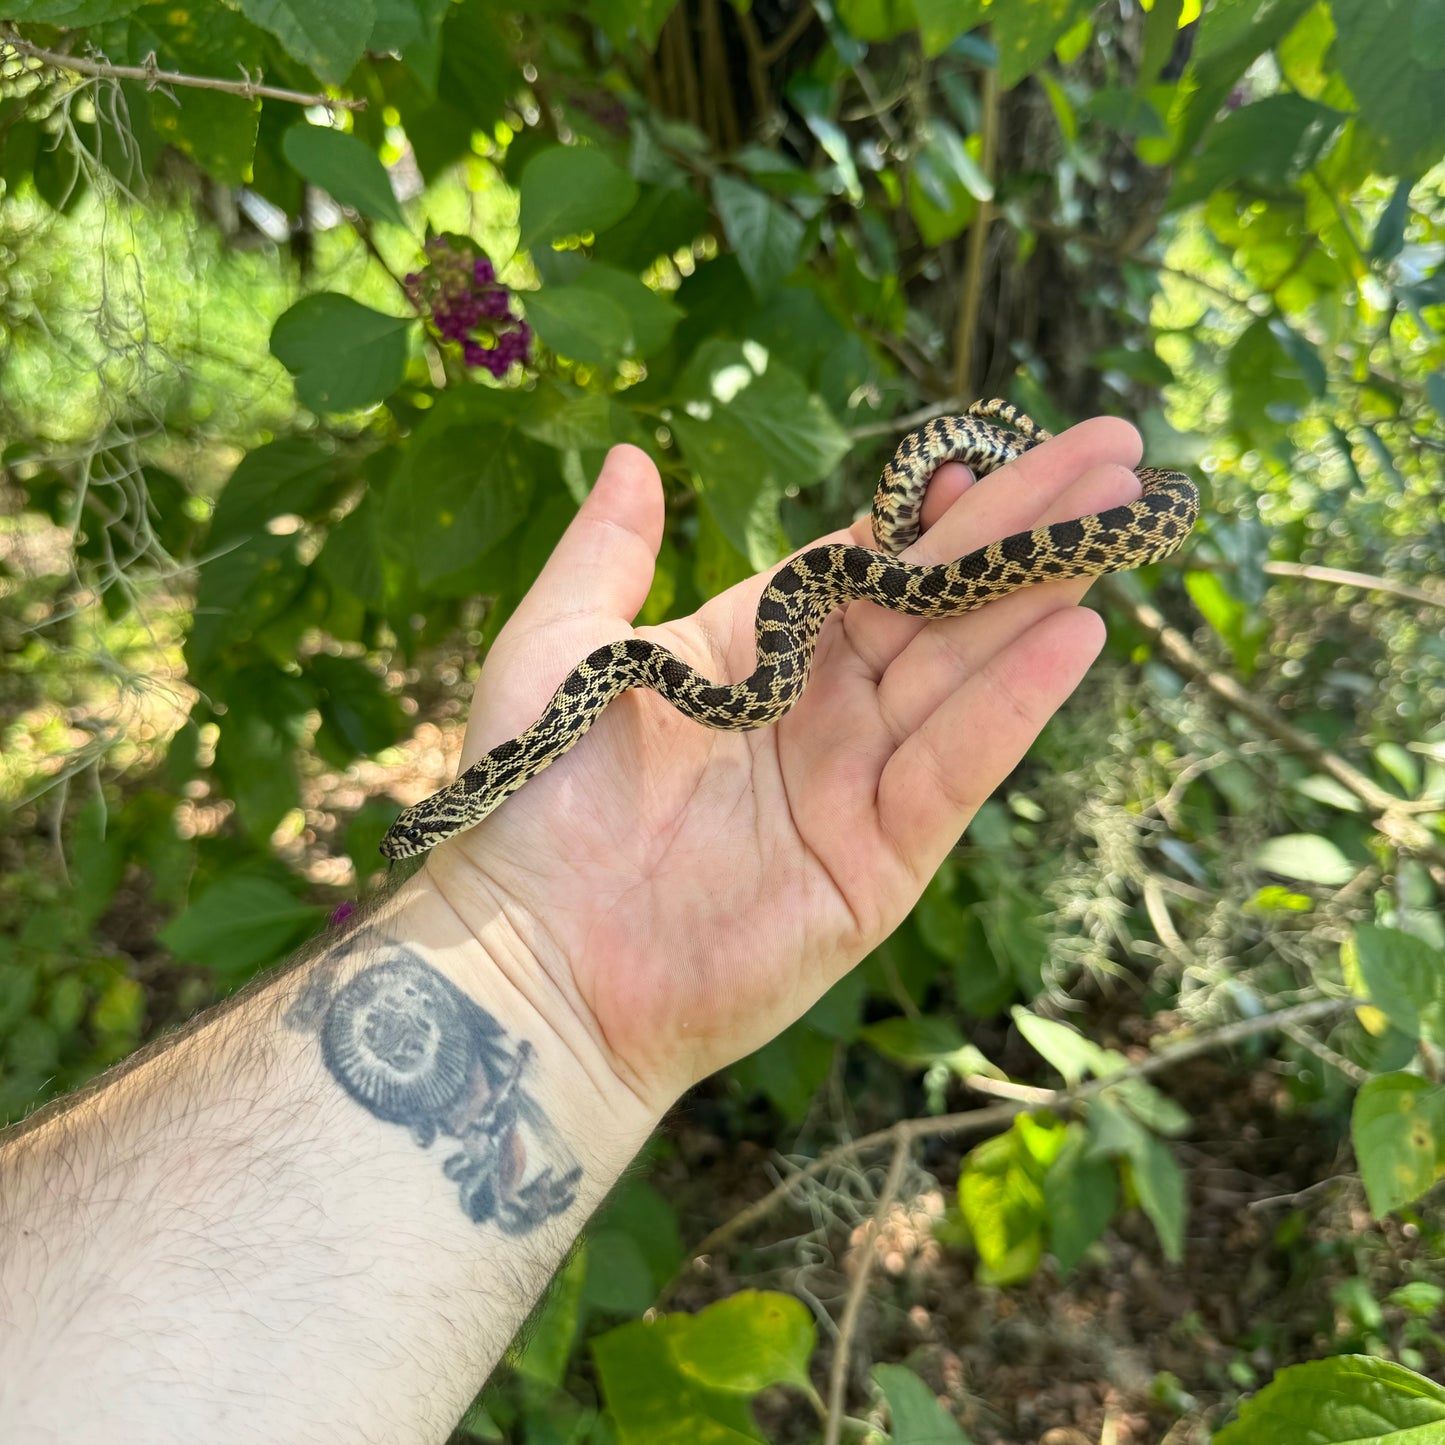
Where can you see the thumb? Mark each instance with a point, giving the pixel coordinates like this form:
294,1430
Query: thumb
603,564
592,587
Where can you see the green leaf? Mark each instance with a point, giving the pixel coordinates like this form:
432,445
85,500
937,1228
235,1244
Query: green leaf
1403,977
1159,1182
550,1334
747,1342
581,324
1001,1198
329,36
652,1402
877,19
1392,54
766,237
248,584
1026,34
570,190
621,19
343,355
1240,625
216,130
941,22
915,1414
1307,857
289,475
945,183
346,168
464,484
650,317
72,14
1398,1130
1345,1400
1074,1056
618,1278
1268,145
1081,1193
917,1041
749,429
256,752
240,924
1388,239
358,716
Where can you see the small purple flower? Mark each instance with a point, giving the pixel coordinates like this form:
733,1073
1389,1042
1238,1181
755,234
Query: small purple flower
341,913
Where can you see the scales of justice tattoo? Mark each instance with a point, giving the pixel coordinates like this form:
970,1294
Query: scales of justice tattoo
413,1049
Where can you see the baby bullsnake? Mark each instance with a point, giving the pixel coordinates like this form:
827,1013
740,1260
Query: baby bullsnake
804,591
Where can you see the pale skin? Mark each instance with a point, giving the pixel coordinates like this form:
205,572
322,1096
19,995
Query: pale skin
225,1244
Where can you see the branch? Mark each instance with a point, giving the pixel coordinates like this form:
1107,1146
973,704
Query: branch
1000,1116
154,77
847,1327
1364,580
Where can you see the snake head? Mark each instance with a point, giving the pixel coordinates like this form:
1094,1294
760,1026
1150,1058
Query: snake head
405,839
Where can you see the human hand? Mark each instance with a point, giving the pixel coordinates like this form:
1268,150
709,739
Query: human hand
669,897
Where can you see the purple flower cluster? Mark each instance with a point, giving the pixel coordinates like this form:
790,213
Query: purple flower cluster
469,306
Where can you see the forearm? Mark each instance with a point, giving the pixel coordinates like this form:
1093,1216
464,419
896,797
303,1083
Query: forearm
321,1215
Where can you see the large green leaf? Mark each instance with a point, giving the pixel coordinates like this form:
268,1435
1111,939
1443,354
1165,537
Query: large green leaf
343,355
288,475
329,36
1001,1197
218,131
1347,1400
747,1342
1267,145
346,168
1402,976
1392,53
70,13
1307,857
750,429
915,1416
567,190
463,486
1026,34
766,237
239,924
1081,1193
1398,1130
581,324
653,1402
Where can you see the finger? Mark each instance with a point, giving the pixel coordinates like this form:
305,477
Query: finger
587,593
1014,499
947,651
939,776
604,562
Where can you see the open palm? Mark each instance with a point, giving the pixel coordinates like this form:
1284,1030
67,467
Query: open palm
684,894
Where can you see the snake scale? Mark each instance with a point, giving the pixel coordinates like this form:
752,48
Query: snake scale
805,590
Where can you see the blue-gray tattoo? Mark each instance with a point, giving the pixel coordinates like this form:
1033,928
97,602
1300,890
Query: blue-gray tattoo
413,1049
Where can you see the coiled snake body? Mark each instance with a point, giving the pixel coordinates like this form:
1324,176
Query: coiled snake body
804,591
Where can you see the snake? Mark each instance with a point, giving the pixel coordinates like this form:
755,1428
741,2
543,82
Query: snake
803,592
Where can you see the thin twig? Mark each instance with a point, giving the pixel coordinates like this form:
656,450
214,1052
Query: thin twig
982,1121
154,77
848,1325
1366,581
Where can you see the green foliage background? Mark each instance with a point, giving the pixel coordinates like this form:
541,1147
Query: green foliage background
259,521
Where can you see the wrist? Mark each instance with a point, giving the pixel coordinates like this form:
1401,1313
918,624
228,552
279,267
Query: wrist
550,1047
